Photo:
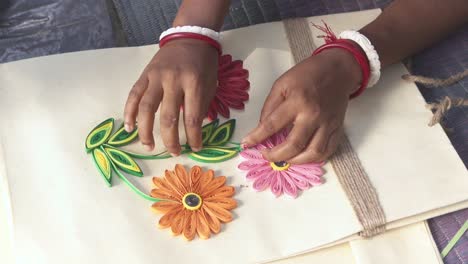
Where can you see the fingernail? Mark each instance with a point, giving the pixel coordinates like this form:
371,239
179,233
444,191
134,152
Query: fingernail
148,147
266,150
264,153
196,149
244,144
127,127
174,155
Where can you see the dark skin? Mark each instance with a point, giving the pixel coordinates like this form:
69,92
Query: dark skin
307,97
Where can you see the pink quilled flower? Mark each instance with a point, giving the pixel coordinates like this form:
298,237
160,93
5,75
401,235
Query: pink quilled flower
281,177
232,88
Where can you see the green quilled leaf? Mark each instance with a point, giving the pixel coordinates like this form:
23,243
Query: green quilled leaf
214,154
121,137
124,161
99,134
207,130
222,134
103,164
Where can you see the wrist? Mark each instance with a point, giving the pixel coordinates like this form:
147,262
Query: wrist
362,51
343,62
214,25
190,43
203,13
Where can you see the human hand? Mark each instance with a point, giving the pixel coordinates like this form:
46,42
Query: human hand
183,72
312,97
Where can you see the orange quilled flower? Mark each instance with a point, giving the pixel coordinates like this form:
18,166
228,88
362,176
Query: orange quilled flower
194,202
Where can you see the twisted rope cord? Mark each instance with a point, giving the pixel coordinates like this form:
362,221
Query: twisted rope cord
441,107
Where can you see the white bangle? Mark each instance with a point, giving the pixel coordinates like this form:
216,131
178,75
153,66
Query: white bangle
370,51
216,36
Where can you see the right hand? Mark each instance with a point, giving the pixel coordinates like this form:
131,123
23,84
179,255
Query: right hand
183,72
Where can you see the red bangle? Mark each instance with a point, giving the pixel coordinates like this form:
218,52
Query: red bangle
358,56
188,35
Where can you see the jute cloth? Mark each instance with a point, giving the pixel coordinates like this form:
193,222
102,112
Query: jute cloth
351,174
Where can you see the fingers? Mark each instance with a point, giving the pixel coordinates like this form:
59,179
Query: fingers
169,119
146,109
274,99
335,140
133,100
319,141
274,122
295,143
193,117
332,140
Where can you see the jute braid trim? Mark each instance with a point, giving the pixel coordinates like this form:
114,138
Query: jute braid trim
351,174
300,38
359,189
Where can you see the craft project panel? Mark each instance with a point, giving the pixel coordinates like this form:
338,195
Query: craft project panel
52,103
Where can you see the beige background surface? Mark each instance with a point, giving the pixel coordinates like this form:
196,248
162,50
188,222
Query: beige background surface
62,209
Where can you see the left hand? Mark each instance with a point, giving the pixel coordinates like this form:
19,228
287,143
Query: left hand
312,97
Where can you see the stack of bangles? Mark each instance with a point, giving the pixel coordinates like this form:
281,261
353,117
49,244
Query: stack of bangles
206,35
366,55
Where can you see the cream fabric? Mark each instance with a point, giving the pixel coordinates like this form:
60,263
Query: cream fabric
62,209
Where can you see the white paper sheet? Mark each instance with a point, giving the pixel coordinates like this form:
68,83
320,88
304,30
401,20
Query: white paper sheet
63,211
412,244
407,245
6,221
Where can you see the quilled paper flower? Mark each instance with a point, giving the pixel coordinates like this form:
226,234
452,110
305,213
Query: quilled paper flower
232,88
281,177
194,202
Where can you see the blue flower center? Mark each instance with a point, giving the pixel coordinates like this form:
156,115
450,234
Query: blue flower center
281,164
192,200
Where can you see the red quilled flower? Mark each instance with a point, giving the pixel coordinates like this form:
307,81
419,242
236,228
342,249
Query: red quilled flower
232,90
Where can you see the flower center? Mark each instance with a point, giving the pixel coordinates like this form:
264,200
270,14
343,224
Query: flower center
192,201
280,165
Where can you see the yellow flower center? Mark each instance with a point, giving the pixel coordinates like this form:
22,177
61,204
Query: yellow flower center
280,165
192,201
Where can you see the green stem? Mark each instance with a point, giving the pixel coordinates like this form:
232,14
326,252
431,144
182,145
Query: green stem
133,187
185,151
143,156
238,146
